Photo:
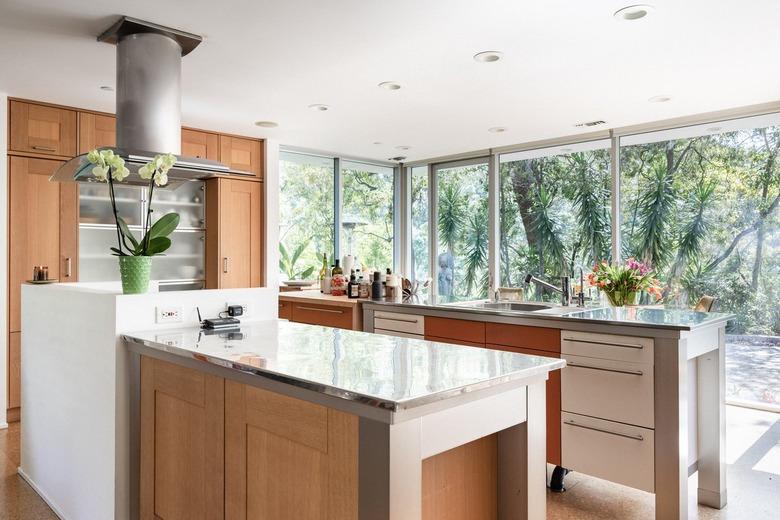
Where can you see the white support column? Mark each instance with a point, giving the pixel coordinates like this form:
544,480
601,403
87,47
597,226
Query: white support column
522,462
433,229
271,205
712,425
494,226
671,429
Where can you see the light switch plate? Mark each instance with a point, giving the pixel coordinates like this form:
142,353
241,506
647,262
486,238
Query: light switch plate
168,315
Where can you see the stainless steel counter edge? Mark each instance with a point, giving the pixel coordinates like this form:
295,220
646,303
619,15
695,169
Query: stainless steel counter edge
527,318
142,346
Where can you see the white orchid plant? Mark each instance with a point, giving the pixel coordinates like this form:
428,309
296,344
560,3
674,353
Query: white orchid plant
110,168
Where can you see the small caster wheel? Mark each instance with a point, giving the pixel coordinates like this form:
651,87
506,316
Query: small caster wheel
556,481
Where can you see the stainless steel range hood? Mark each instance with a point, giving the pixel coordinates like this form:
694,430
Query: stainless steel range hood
148,103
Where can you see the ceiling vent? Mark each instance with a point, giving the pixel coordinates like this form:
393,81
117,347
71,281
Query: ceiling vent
591,123
400,158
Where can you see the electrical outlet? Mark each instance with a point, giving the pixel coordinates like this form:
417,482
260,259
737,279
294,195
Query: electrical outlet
244,305
169,315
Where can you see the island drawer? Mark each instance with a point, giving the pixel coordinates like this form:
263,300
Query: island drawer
609,450
523,336
613,390
462,332
607,346
399,322
327,315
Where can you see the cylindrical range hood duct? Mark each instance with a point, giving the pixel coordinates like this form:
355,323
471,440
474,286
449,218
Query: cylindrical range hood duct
148,93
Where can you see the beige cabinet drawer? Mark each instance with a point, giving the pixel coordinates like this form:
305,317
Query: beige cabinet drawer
607,346
609,450
607,389
399,322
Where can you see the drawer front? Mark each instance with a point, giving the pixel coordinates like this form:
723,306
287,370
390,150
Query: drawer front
398,334
285,310
523,336
470,332
454,341
409,323
607,346
613,390
612,451
327,315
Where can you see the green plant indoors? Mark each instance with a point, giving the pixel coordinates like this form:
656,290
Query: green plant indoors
287,262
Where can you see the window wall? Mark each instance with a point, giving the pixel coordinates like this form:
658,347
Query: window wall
306,191
462,229
336,207
367,214
554,212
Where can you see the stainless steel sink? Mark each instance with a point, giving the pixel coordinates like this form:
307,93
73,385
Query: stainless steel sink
506,306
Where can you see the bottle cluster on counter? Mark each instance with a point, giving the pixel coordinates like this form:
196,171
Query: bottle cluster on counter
358,284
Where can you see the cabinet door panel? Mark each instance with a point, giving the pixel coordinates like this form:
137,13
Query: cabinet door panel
240,233
523,336
182,443
42,129
14,370
34,226
203,145
472,332
553,402
96,131
241,154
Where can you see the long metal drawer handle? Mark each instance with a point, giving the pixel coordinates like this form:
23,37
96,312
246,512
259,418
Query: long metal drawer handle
317,309
397,319
627,345
617,370
44,148
636,437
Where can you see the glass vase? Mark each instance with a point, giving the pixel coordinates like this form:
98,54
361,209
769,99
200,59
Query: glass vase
622,298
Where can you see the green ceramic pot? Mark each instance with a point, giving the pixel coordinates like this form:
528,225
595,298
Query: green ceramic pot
135,272
622,298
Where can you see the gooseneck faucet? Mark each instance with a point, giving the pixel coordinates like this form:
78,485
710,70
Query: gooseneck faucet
564,289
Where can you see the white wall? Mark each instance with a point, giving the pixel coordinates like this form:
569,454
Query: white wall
272,213
3,257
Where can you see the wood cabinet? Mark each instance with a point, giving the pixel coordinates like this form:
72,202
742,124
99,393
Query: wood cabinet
200,144
43,226
339,316
42,129
14,370
285,310
242,154
234,233
459,332
96,131
182,443
288,459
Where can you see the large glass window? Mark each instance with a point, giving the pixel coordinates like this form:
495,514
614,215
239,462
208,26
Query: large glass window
419,225
554,212
462,228
367,214
305,214
701,205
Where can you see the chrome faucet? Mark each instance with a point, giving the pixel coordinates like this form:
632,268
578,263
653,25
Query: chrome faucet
564,289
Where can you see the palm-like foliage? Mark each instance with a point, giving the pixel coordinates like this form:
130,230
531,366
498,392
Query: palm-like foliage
287,262
694,231
452,213
476,250
655,214
590,196
550,247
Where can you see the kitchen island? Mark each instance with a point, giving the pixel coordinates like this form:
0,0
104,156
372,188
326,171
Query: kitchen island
286,420
641,401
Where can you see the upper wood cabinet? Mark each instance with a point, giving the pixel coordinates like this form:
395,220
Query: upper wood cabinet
42,129
43,227
234,233
242,154
196,143
96,131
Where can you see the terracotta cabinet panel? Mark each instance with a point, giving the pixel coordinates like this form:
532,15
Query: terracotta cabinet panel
326,315
96,131
196,143
523,336
242,154
42,129
285,310
471,332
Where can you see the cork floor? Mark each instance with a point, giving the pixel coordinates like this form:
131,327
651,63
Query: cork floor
753,479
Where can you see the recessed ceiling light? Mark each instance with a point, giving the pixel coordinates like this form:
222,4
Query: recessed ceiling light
403,147
266,124
390,85
488,56
498,129
660,99
107,88
377,142
318,107
633,12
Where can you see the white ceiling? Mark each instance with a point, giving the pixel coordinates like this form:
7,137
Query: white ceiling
565,61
